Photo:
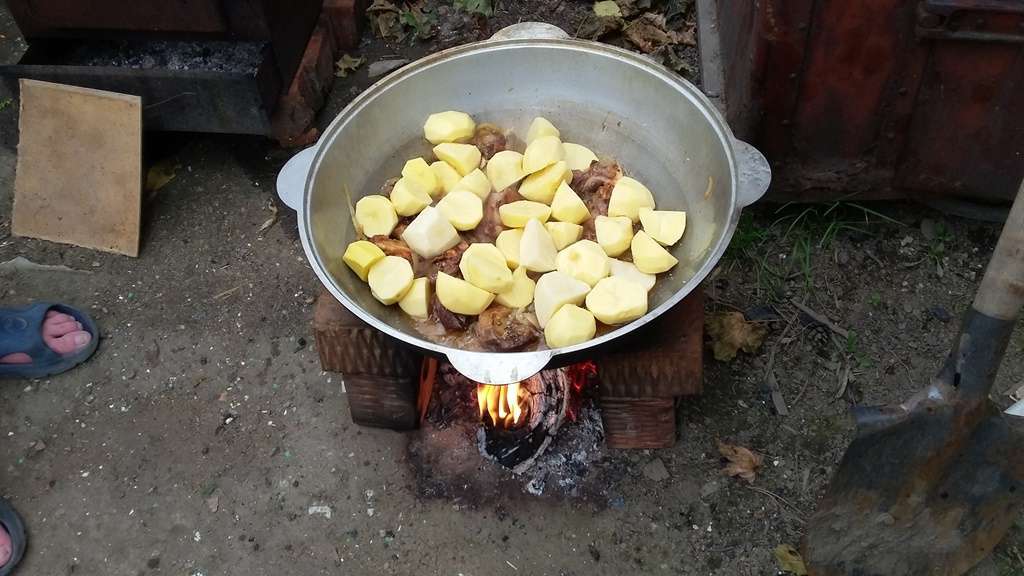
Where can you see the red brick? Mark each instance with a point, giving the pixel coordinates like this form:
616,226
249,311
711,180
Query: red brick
346,19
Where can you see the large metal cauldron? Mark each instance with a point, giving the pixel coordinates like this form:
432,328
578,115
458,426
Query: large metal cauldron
619,104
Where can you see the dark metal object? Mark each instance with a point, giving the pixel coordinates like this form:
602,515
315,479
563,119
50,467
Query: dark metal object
177,100
930,487
973,20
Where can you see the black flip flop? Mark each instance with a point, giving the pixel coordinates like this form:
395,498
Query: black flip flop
16,530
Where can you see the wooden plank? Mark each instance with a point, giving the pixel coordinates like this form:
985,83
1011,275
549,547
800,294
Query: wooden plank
79,172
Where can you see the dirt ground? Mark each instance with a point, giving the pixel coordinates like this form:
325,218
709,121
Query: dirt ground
203,438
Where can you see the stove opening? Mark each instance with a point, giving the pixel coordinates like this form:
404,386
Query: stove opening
503,407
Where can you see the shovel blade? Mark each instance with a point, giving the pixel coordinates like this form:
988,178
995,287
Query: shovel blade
929,493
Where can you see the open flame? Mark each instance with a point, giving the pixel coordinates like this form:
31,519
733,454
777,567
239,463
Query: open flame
504,405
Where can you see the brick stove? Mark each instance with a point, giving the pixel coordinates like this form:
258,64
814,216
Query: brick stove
639,379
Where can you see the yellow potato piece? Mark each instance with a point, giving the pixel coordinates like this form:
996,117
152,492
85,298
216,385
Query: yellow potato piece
569,326
420,177
665,226
483,266
390,278
517,214
555,290
585,261
540,186
360,256
461,297
446,175
475,182
628,197
537,250
375,215
649,256
505,169
463,157
416,302
541,153
539,128
430,233
407,200
520,293
462,208
629,271
578,157
450,126
617,301
613,234
508,242
567,206
564,233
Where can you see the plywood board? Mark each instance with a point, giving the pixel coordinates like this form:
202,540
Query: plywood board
79,174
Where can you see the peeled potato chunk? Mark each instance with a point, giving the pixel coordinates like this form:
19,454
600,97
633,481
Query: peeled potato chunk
555,290
628,197
567,206
537,250
585,261
360,256
416,302
508,242
617,301
570,325
520,293
390,278
475,182
463,157
483,266
564,233
665,226
450,126
407,200
628,271
649,256
517,214
613,234
446,175
578,157
505,169
420,177
430,233
541,186
541,127
462,208
376,216
541,153
461,297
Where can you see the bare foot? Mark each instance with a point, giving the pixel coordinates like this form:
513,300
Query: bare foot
6,549
64,335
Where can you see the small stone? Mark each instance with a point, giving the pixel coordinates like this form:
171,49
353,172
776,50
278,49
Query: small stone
655,470
382,67
709,489
929,229
940,314
38,446
213,503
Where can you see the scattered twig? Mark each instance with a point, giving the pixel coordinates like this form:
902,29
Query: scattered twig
871,254
820,319
844,379
511,565
910,375
799,512
225,293
769,374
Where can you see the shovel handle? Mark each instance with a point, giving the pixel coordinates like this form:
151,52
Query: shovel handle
1001,294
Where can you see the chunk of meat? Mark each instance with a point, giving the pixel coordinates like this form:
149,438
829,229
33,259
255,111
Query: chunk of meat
448,262
403,223
393,247
451,321
489,139
594,185
503,329
489,228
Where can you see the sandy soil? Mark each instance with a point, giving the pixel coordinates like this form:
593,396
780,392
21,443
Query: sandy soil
203,439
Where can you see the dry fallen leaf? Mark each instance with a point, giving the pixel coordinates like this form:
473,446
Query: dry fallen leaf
650,32
383,17
269,221
347,64
790,560
742,461
607,8
730,332
160,174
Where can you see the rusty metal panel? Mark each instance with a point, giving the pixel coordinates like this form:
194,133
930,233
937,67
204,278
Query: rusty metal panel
967,135
784,29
